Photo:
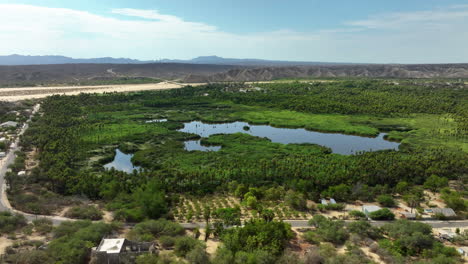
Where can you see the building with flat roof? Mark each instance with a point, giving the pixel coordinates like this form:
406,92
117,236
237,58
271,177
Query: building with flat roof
447,212
121,250
367,209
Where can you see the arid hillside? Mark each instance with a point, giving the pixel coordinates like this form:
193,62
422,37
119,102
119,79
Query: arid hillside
29,75
79,74
373,71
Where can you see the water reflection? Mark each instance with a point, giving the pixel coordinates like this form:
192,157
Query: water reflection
122,162
339,143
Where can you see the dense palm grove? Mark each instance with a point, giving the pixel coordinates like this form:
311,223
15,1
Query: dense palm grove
59,133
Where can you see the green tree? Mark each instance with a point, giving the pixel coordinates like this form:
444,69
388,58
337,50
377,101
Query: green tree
152,199
386,200
435,183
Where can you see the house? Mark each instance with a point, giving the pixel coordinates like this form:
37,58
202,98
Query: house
22,173
120,250
9,124
367,209
2,154
407,215
324,202
3,139
446,212
332,201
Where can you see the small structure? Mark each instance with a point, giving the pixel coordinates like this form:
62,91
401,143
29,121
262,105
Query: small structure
324,202
446,212
463,251
446,234
332,201
3,139
367,209
121,250
9,124
407,215
2,154
22,173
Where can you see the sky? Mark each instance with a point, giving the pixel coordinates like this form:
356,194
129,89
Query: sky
361,31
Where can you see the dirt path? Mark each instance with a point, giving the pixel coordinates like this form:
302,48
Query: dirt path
17,94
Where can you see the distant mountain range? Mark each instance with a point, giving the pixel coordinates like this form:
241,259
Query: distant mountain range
47,60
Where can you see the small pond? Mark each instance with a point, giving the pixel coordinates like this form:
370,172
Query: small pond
339,143
155,121
196,145
122,162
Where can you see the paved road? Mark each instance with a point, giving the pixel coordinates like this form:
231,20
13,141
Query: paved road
303,224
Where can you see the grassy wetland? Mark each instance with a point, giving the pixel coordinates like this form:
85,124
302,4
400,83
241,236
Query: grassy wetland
248,167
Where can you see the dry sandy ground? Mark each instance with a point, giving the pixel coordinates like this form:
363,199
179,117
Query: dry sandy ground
23,93
4,243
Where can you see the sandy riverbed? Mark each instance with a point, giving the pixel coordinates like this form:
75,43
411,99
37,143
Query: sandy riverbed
23,93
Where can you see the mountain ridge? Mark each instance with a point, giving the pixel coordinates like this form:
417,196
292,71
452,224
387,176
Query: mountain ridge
15,59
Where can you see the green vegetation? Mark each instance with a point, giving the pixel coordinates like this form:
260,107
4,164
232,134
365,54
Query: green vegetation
76,135
257,235
88,212
382,214
72,242
386,200
415,239
10,222
153,229
250,180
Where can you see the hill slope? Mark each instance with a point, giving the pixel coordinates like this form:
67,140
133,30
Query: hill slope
374,71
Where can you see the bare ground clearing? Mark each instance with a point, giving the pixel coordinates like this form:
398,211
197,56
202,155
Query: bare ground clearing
23,93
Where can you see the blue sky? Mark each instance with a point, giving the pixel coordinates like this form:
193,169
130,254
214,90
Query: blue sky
397,31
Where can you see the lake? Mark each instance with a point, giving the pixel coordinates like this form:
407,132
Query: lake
338,143
122,162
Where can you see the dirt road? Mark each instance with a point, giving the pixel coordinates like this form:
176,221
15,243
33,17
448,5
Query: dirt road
22,93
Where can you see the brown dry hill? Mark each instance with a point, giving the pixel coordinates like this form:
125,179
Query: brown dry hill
373,71
31,75
74,73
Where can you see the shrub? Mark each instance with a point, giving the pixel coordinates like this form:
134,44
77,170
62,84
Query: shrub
258,235
340,192
197,255
295,200
43,225
382,214
129,215
455,201
152,229
311,237
329,230
183,245
10,222
167,241
74,247
87,212
333,207
357,214
386,200
229,216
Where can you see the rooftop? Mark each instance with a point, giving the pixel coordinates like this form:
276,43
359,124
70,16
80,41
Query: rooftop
111,245
444,211
370,208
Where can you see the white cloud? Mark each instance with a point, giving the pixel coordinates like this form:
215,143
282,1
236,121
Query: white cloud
424,36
